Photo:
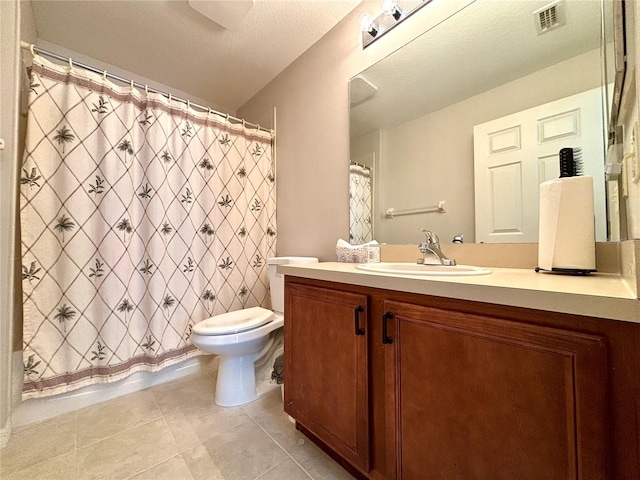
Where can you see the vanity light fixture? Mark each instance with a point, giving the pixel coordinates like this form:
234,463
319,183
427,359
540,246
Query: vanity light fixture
392,14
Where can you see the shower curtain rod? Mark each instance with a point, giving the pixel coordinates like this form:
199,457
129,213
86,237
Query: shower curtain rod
35,49
356,164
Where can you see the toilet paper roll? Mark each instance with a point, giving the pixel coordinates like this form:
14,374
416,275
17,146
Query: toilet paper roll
566,229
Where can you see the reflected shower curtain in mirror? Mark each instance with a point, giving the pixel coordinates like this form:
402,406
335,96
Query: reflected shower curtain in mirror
360,204
140,217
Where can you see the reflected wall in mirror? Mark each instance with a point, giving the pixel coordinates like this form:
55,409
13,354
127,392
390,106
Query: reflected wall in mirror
412,115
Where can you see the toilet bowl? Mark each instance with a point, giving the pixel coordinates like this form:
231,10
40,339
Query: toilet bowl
246,340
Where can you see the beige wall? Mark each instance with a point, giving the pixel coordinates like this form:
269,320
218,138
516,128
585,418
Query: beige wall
9,58
311,98
430,158
366,149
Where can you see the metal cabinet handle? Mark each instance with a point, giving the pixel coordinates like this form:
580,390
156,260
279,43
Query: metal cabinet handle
386,339
356,318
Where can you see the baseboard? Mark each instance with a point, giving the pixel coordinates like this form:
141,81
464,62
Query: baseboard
38,409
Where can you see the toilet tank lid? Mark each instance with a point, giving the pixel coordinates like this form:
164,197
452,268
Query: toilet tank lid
234,322
293,260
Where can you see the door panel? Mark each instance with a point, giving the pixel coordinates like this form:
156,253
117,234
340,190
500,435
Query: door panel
504,140
556,127
483,398
326,368
506,201
532,139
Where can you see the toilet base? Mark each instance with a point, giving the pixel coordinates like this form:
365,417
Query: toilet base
243,379
233,394
236,384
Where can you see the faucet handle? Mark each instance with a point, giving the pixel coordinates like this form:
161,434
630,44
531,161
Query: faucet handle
428,234
432,238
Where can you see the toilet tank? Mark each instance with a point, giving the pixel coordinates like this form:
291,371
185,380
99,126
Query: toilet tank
276,280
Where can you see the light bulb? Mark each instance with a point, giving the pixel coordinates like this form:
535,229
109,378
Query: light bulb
390,7
367,24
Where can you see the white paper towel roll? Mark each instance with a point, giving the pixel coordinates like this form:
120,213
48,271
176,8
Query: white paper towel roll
567,234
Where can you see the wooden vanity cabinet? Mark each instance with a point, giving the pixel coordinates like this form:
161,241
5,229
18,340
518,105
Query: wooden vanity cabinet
482,398
326,386
453,389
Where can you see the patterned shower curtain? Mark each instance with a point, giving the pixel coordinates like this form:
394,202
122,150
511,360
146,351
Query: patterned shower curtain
360,204
140,217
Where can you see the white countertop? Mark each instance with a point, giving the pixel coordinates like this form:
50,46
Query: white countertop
599,295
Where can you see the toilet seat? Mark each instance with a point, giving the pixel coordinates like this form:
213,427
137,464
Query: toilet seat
234,322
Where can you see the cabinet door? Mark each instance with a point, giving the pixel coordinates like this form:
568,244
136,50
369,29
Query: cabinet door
326,367
482,398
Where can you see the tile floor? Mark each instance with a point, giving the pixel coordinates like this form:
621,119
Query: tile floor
174,431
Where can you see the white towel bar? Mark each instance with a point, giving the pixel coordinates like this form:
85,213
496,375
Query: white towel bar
440,208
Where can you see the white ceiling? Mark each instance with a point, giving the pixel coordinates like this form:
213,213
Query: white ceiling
171,43
488,44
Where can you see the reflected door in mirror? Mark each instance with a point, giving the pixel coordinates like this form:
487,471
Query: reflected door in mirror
514,154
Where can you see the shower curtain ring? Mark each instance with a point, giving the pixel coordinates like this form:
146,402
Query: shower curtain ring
243,125
188,104
32,48
169,97
70,63
104,75
146,89
257,126
132,86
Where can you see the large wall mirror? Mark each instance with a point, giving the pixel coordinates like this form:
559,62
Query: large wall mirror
496,76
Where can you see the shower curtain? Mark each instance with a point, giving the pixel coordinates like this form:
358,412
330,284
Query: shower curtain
360,204
140,217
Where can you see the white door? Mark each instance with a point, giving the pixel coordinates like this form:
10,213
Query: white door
514,154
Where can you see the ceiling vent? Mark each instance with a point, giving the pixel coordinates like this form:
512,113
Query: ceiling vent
549,17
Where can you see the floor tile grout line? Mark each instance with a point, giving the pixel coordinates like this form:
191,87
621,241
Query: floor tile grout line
103,405
244,416
128,430
154,466
34,426
181,450
283,449
277,465
120,432
47,459
178,453
164,418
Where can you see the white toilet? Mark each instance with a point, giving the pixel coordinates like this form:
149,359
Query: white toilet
246,340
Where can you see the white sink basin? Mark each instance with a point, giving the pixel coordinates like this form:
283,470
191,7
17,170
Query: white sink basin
415,269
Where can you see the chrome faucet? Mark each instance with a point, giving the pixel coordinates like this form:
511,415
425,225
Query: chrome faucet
432,245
